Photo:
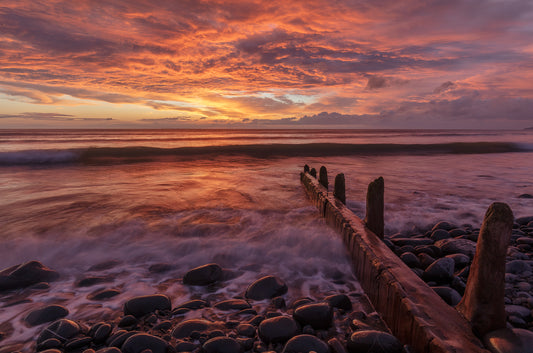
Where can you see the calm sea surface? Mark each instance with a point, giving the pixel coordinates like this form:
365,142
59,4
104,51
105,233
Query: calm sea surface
73,199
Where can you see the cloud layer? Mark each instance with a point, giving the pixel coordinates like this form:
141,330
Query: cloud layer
458,63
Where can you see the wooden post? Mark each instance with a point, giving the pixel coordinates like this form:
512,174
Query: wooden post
339,189
375,205
323,177
483,303
313,172
306,168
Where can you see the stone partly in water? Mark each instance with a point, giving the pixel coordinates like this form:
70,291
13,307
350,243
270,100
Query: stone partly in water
47,314
339,301
203,275
267,287
371,341
509,341
140,306
26,274
232,304
142,341
278,329
62,329
319,316
305,343
222,345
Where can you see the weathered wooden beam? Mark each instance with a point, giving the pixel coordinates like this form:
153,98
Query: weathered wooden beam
483,302
375,204
339,189
323,177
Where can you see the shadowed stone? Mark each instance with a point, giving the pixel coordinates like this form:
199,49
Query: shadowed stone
62,329
277,329
267,287
373,341
203,275
142,341
305,343
483,301
47,314
319,316
339,189
185,328
26,274
221,345
375,204
509,341
140,306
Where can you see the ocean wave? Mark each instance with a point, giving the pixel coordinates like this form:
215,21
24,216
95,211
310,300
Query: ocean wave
132,153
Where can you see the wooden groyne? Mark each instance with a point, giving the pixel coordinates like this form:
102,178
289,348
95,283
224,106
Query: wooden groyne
413,311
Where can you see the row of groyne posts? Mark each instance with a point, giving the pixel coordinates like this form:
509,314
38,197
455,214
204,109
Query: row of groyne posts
411,309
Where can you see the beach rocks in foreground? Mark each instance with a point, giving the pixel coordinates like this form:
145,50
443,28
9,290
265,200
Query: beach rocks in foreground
258,321
442,256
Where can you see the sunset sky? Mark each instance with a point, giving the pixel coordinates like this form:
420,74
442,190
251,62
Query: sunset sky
266,64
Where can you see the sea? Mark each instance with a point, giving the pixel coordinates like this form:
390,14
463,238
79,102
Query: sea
125,200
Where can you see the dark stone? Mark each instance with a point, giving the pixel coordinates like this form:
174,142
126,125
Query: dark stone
509,341
449,295
425,260
410,259
411,241
102,333
78,343
517,267
194,304
371,341
246,330
118,339
232,304
26,274
246,343
439,234
278,329
163,326
256,320
109,350
92,280
278,302
160,268
300,302
267,287
47,314
525,196
336,346
443,225
185,328
440,271
62,329
141,341
517,310
103,294
339,301
128,321
454,233
524,220
203,275
305,343
460,260
221,345
457,246
48,344
140,306
319,316
184,346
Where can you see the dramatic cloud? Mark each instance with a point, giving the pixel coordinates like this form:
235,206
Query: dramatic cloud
303,63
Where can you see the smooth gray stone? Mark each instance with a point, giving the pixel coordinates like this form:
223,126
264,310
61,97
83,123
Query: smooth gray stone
372,341
443,225
203,275
62,329
232,304
439,234
140,306
319,316
267,287
440,270
339,301
517,310
221,345
517,267
26,274
46,314
185,328
141,341
278,329
509,341
449,295
305,343
457,246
